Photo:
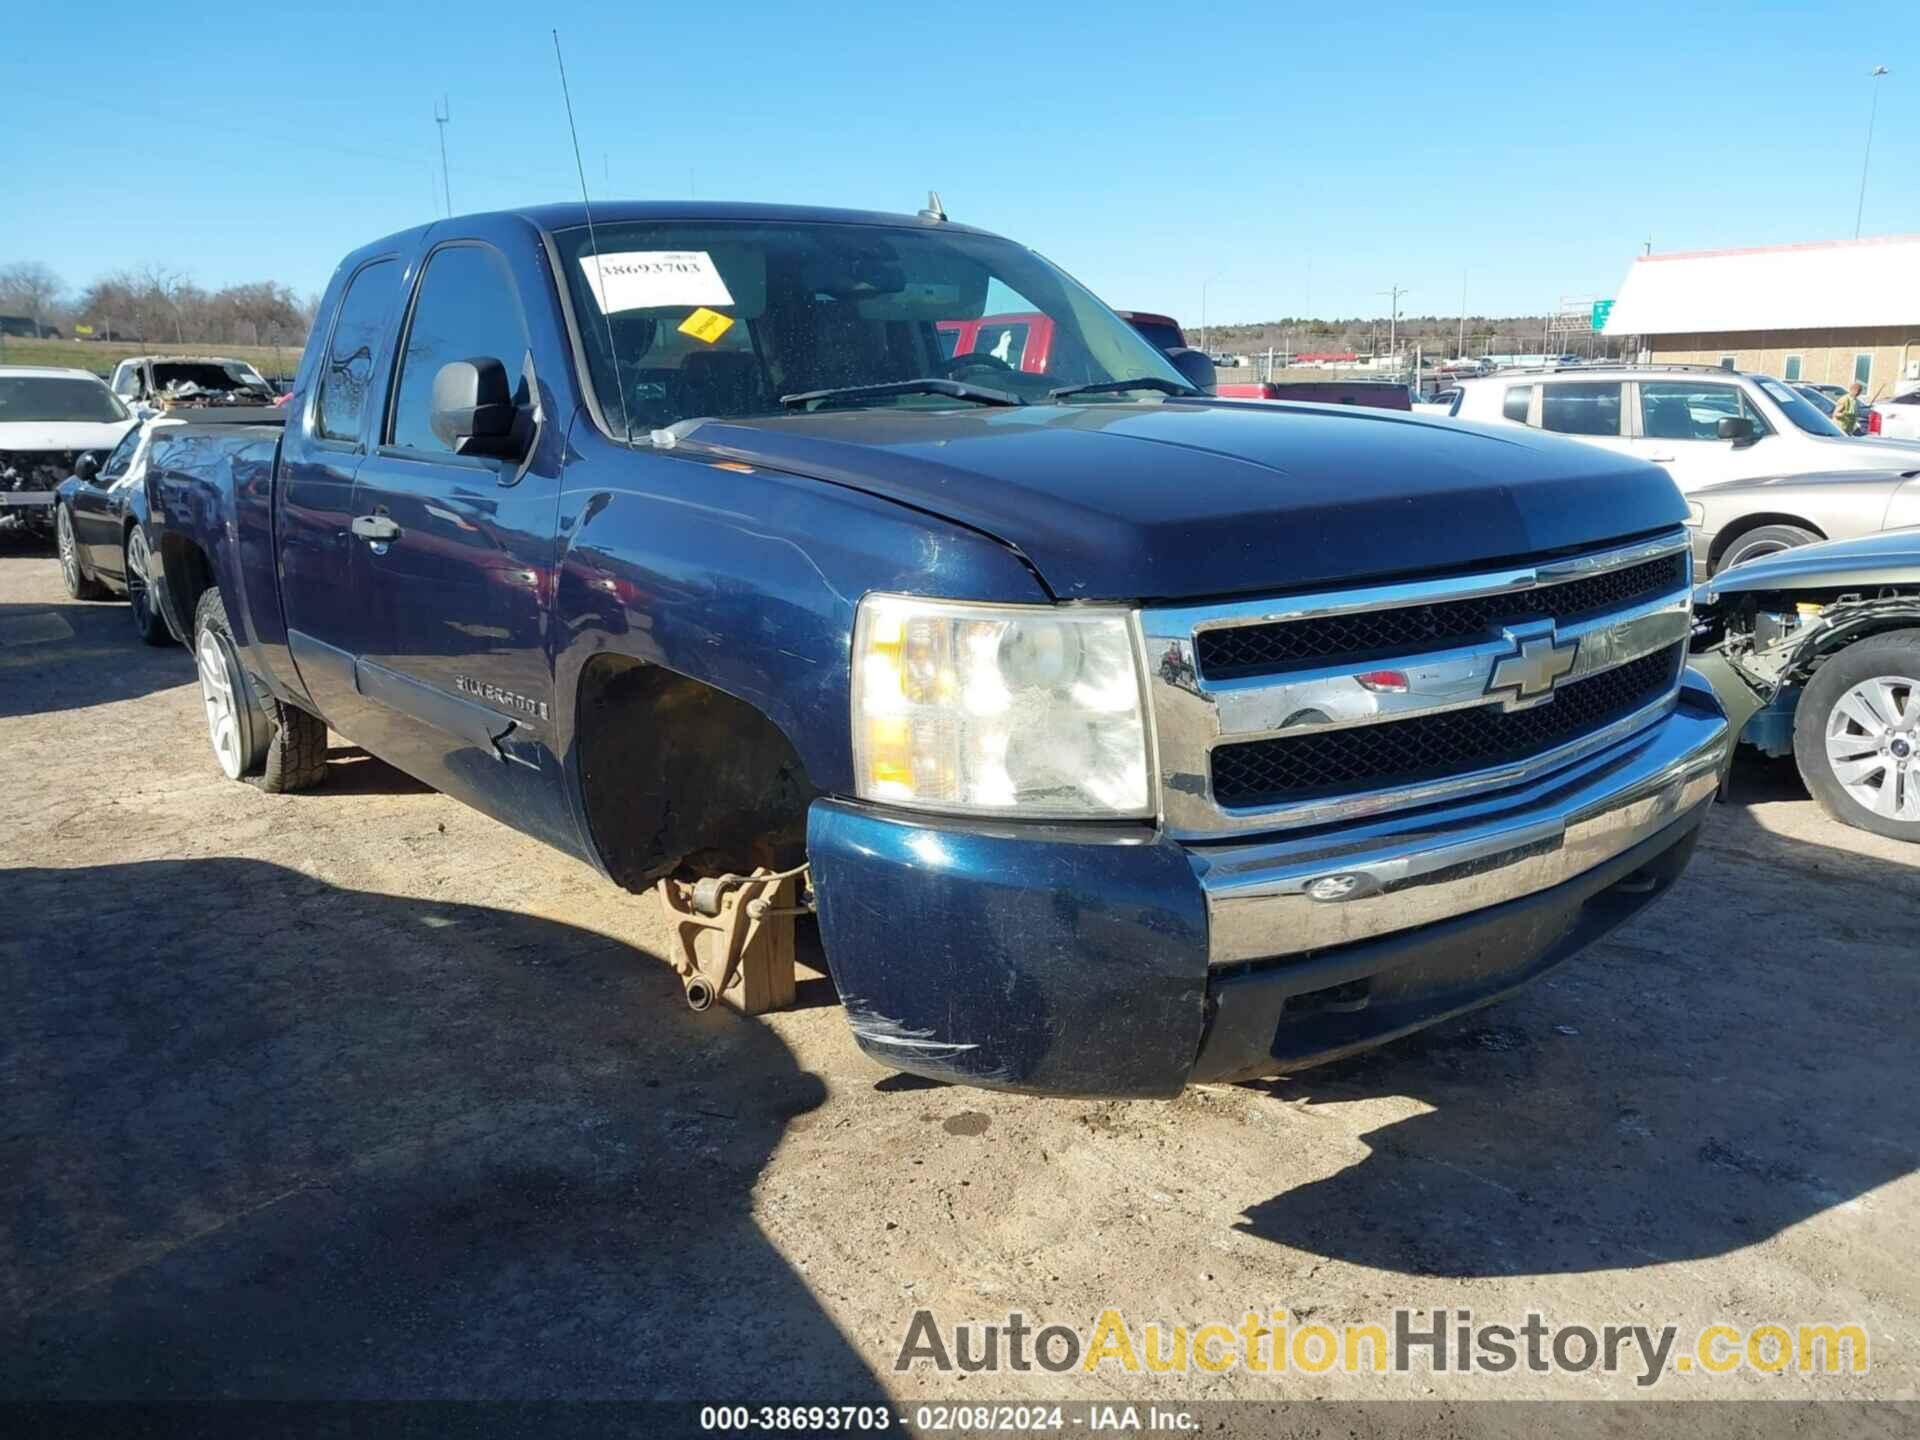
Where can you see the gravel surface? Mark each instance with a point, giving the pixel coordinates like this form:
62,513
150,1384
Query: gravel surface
357,1093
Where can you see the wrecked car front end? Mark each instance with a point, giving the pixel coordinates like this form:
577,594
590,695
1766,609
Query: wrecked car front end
1762,629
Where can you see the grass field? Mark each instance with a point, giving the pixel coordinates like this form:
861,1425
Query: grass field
101,357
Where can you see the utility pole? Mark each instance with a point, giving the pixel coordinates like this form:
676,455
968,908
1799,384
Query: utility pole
442,113
1393,319
1860,210
1463,313
1203,312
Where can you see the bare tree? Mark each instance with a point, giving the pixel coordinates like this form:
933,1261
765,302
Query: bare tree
31,289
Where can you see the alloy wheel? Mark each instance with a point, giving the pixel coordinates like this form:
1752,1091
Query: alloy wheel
1873,744
218,691
69,552
137,593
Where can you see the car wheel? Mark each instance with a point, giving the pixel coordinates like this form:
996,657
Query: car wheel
147,620
255,738
80,585
1856,735
1764,540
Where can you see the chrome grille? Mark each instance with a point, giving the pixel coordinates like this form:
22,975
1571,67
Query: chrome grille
1271,714
1374,634
1401,752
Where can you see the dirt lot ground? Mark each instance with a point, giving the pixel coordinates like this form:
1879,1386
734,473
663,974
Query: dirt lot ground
359,1094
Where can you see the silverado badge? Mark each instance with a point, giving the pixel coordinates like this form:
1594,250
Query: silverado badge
501,699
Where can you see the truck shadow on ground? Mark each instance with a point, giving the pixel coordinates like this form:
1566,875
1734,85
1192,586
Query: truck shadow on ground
1736,1060
293,1140
352,771
77,653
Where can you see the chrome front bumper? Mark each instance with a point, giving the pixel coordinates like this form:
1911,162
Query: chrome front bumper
1305,893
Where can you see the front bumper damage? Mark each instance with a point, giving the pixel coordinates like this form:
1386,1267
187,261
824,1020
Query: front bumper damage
1096,961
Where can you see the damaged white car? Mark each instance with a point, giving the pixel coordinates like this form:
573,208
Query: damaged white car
169,382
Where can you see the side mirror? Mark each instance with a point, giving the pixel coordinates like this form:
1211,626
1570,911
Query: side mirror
1195,367
1735,428
87,466
473,410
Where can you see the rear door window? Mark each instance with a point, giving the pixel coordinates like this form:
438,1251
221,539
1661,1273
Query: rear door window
468,309
1517,405
1581,408
1005,341
348,368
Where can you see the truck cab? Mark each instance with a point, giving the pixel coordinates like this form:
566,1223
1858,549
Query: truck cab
1118,737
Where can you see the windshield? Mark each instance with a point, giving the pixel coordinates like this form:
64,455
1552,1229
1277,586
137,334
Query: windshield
56,397
724,319
1821,402
1797,408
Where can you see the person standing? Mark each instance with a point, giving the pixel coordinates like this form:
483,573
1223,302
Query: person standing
1846,411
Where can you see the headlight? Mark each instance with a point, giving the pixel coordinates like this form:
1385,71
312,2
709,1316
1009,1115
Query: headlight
1029,710
1696,514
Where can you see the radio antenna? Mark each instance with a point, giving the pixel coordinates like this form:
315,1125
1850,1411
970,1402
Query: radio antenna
593,239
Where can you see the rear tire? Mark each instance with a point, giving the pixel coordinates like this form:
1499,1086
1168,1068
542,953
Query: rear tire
148,623
1856,735
297,754
80,585
1764,540
255,737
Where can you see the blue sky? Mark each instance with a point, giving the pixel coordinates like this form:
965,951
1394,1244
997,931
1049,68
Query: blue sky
1290,158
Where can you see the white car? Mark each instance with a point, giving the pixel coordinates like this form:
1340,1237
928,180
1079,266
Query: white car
1900,415
1705,425
49,418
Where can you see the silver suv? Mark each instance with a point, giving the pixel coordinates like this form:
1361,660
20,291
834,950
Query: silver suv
1702,423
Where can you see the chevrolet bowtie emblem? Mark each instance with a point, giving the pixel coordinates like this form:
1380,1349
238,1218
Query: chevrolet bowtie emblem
1540,660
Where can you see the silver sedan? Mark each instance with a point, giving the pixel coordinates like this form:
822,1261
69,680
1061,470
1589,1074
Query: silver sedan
1743,519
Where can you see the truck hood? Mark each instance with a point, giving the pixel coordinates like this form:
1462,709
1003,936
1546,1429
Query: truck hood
63,434
1890,558
1183,499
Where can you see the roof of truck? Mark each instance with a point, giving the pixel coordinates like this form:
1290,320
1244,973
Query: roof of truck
605,212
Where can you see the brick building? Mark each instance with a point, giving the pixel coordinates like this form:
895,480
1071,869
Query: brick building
1829,312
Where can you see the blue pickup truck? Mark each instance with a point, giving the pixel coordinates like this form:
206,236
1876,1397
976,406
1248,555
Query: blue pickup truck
1127,738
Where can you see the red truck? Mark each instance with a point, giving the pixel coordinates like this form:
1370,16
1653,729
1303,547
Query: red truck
1380,394
1023,340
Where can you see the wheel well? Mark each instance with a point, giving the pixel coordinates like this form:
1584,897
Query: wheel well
680,778
1746,524
1872,627
188,576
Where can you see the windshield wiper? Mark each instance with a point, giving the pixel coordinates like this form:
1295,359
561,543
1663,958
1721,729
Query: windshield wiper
1108,387
926,385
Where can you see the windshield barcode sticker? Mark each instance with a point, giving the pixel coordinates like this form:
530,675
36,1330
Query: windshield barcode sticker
651,279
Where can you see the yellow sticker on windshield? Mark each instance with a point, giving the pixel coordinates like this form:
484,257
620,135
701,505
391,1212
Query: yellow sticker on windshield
706,325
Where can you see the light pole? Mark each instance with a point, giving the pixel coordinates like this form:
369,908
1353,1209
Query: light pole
1393,319
1872,111
442,113
1463,314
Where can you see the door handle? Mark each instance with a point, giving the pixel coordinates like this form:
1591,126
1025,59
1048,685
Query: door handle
375,527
